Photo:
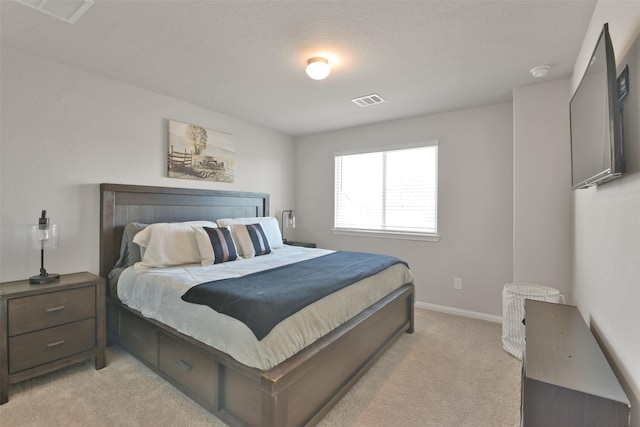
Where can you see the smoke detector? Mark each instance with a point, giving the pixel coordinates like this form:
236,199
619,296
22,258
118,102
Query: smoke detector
539,71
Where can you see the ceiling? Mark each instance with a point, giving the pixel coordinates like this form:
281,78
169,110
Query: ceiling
246,59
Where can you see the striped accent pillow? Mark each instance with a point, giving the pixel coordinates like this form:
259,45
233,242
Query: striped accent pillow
216,245
252,240
223,247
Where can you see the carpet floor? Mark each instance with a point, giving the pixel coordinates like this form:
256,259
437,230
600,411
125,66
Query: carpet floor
451,371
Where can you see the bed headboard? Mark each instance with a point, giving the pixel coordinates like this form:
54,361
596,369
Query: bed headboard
121,204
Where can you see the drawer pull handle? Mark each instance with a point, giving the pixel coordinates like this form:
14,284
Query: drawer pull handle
183,365
52,309
55,344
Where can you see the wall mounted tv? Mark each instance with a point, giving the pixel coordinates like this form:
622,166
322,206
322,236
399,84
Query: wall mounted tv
597,152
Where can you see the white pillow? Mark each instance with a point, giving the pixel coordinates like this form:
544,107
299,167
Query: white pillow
269,225
168,244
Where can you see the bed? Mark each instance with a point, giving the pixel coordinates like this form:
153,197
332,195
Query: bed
298,390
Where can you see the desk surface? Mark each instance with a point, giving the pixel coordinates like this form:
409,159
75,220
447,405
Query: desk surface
560,349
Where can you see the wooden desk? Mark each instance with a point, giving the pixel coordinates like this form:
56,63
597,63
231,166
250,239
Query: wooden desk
566,380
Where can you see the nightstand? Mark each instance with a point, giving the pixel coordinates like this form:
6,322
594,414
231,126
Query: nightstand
303,244
49,326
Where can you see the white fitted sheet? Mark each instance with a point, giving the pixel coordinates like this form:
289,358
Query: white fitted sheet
157,292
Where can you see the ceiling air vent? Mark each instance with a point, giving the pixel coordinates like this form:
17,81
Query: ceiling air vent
66,10
367,101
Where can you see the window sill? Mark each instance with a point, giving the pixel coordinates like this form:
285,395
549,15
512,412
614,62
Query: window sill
387,234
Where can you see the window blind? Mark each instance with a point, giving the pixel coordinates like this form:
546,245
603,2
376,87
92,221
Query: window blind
388,191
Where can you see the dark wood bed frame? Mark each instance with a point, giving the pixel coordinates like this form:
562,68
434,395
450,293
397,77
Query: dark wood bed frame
298,391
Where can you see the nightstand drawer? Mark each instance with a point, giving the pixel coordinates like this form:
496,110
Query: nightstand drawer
37,348
139,337
56,308
190,366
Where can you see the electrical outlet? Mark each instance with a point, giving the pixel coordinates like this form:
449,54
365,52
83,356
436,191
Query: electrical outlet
457,283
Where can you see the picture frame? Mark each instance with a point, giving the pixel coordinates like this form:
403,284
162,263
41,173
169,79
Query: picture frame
198,153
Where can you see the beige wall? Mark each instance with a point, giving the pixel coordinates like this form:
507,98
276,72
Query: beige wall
64,131
606,244
474,202
542,185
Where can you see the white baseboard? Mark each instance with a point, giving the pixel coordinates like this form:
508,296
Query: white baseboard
460,312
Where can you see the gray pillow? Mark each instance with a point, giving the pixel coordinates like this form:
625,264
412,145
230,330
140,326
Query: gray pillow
129,255
129,251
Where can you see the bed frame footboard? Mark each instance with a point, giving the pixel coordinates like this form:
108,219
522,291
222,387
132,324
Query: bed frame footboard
298,392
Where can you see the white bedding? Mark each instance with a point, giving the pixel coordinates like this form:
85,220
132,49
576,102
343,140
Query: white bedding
156,293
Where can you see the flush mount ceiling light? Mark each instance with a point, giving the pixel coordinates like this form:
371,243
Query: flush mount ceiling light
540,71
67,10
318,68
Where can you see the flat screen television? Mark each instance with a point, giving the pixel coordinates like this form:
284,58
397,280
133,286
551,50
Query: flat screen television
597,152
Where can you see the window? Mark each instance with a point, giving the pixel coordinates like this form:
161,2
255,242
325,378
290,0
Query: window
392,192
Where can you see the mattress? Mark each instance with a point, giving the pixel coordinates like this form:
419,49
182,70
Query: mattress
157,292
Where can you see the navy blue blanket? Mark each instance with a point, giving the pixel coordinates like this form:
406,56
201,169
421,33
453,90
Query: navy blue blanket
262,300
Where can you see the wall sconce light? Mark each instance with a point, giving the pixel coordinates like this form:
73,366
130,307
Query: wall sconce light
44,235
318,68
290,222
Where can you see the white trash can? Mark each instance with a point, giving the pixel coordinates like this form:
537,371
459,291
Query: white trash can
513,296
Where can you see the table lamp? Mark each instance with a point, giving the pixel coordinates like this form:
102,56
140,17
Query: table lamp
289,223
44,235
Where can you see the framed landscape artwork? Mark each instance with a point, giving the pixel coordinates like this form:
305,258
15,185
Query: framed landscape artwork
199,153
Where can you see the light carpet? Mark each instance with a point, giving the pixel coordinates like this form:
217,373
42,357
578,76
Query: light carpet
451,371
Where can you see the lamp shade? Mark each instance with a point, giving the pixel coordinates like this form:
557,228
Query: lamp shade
318,68
44,236
291,220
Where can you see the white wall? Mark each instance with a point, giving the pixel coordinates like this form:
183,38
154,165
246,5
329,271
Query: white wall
474,203
542,185
64,131
606,268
